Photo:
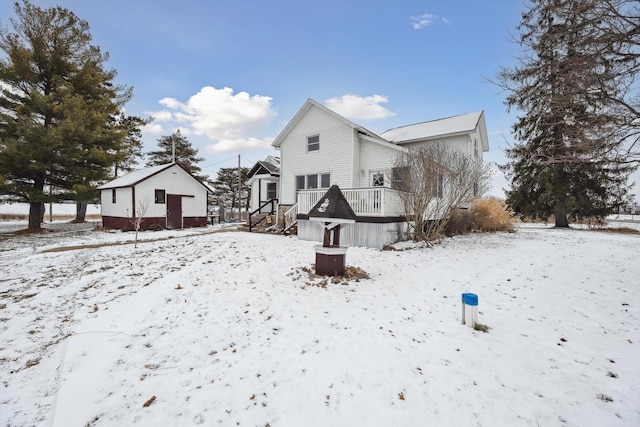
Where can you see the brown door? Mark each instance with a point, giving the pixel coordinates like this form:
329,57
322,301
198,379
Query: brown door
174,211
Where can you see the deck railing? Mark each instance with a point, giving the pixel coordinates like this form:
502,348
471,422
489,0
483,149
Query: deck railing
373,201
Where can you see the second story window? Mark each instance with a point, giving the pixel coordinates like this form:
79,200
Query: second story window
313,143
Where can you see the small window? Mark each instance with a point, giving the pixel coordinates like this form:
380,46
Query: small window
312,181
325,180
113,195
313,143
160,196
299,182
436,185
271,190
400,178
378,179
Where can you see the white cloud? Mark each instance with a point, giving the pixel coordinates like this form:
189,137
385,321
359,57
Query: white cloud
153,129
426,19
241,144
359,107
160,116
218,114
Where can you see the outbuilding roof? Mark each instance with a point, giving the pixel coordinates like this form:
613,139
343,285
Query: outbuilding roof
134,177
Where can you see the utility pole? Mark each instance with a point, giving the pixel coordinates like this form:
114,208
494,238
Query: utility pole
239,189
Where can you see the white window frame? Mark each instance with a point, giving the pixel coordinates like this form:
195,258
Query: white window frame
313,143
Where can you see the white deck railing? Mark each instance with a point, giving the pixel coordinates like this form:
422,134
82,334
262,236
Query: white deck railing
374,201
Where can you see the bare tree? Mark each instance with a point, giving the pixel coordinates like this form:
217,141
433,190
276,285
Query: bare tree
434,181
136,220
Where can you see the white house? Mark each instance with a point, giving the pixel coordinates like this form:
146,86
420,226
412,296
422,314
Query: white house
165,196
320,148
264,178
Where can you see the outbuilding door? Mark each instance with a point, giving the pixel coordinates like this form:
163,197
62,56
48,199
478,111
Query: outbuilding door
174,211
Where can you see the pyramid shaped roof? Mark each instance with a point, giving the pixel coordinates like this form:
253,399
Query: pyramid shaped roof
333,207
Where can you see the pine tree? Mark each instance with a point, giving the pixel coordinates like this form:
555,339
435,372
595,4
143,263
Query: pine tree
185,154
129,151
571,159
57,105
226,188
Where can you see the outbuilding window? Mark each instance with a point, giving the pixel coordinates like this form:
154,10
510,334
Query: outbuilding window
313,143
160,196
113,195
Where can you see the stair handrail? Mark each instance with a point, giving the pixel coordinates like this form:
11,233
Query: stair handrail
273,209
290,218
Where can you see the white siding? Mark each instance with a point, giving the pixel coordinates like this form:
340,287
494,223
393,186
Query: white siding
122,207
334,156
372,235
259,189
174,181
375,157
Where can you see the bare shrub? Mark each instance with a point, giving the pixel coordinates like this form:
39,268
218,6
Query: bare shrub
492,214
435,180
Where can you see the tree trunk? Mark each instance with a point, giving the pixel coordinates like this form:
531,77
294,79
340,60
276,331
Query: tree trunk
561,217
36,212
81,211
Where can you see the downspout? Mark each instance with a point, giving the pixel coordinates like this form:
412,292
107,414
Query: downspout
133,203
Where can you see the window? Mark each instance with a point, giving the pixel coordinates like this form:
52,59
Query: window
313,143
160,196
271,190
312,181
378,179
325,180
400,176
436,184
113,195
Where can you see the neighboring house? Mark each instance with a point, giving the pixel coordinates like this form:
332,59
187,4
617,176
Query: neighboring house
165,196
263,180
320,148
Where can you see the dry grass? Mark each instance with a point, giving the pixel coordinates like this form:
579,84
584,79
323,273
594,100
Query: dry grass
20,217
620,230
491,214
461,222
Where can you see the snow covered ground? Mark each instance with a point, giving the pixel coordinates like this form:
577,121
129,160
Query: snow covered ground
228,328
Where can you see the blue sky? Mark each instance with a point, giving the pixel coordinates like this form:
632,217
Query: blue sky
230,74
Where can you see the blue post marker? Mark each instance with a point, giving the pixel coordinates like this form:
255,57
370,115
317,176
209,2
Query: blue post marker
469,309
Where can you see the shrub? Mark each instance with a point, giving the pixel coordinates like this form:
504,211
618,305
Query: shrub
461,222
491,214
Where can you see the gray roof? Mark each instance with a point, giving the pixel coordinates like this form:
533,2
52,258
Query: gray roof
434,128
134,177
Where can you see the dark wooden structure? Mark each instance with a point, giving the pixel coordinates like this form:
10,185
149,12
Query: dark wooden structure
332,211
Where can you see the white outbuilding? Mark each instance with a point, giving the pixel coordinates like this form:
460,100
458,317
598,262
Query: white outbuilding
164,196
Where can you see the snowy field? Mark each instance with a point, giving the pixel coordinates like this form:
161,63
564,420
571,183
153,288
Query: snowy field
221,328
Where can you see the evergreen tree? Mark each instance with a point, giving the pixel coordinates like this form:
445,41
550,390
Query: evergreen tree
185,154
572,159
129,151
226,188
57,106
